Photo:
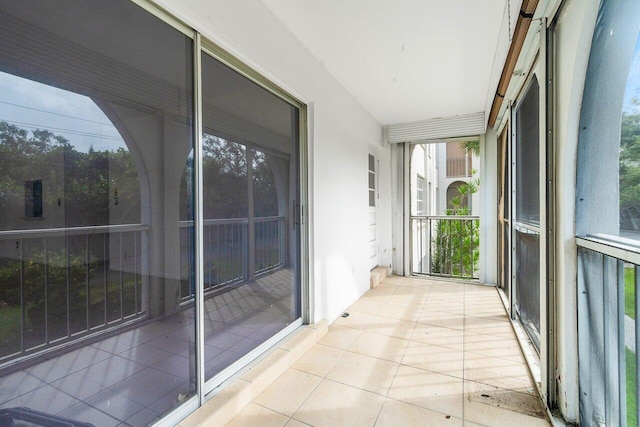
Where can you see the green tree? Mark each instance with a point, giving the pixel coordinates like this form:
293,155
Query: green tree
472,147
456,241
629,162
83,185
82,182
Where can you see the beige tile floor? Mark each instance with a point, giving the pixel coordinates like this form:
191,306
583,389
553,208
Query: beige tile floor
412,352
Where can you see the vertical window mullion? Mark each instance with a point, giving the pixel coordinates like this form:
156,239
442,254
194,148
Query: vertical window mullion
198,216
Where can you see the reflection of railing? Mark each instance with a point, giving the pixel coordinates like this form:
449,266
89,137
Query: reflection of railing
445,245
59,284
608,326
228,256
269,243
459,167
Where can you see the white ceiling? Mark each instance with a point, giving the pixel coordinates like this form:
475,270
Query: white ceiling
405,60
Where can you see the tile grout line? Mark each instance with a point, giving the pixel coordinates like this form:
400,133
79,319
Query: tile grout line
323,378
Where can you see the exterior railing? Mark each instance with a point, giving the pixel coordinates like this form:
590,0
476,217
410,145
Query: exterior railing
59,284
608,325
459,167
231,255
446,246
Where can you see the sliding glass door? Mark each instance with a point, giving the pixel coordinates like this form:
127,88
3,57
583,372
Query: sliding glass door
101,272
250,186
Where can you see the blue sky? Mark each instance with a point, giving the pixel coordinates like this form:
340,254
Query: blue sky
632,92
31,105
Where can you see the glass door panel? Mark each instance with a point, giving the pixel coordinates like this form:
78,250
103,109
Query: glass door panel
96,105
252,289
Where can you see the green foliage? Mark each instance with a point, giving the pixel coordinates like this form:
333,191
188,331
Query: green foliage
83,189
10,319
629,164
78,189
225,189
472,147
629,292
632,387
265,197
456,242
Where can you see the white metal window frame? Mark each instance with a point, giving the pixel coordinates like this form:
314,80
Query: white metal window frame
537,66
419,195
374,172
537,56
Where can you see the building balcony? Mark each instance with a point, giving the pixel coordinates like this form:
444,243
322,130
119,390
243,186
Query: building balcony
459,167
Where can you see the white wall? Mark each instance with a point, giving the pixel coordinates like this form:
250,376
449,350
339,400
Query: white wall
341,132
384,204
488,201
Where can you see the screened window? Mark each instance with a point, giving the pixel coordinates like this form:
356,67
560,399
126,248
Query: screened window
527,127
33,199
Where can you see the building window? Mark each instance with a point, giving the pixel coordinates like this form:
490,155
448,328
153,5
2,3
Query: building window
33,199
372,181
419,196
459,160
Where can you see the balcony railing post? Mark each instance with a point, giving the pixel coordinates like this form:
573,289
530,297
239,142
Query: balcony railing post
46,291
135,273
430,223
121,275
86,282
68,258
245,250
622,374
636,311
450,251
472,247
283,239
461,238
107,265
609,278
22,298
